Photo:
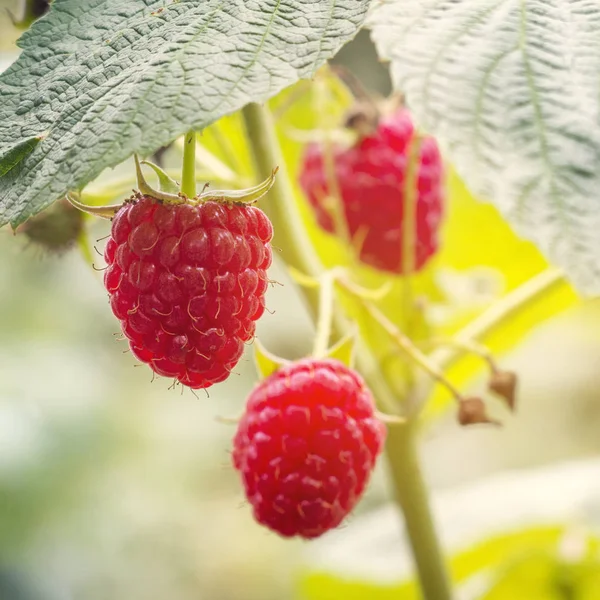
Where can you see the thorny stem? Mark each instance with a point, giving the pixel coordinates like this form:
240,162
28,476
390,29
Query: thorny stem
188,173
409,487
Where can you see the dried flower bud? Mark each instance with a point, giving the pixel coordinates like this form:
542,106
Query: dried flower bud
472,412
504,384
363,118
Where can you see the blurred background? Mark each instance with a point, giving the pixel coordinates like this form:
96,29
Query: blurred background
114,486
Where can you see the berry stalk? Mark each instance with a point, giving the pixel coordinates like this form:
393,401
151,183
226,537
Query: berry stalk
334,200
409,244
325,321
409,487
405,344
409,223
188,173
465,346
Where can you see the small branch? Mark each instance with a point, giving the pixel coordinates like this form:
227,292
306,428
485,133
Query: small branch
470,347
325,318
499,312
409,218
407,346
188,173
409,246
390,419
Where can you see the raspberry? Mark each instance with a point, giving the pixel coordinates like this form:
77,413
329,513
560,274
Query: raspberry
371,179
306,446
187,283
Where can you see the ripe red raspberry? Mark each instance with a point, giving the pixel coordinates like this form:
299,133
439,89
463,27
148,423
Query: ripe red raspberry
371,179
306,446
187,283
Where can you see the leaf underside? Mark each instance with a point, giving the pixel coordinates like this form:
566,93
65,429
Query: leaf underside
512,90
106,78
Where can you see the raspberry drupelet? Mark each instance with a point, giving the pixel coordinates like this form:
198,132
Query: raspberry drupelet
306,446
187,282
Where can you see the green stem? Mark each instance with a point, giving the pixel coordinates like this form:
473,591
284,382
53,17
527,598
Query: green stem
464,346
325,319
409,248
412,496
409,489
289,232
291,237
188,173
333,201
409,220
415,356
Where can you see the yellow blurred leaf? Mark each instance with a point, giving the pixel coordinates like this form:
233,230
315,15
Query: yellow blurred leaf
478,245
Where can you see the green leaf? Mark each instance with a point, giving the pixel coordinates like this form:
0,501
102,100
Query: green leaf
266,363
323,586
484,558
11,156
344,350
511,90
487,527
108,78
544,576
